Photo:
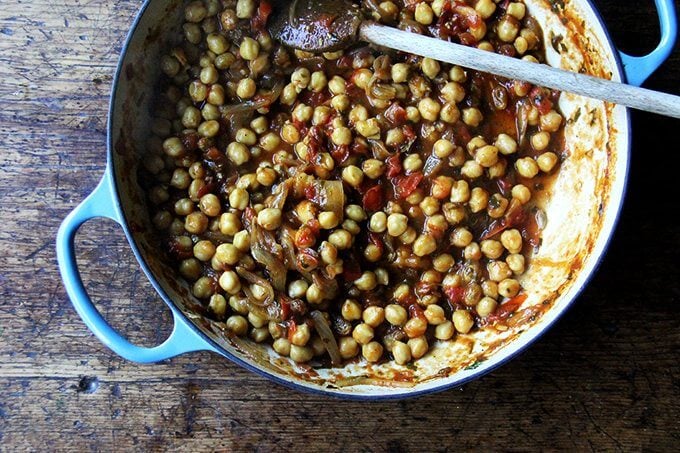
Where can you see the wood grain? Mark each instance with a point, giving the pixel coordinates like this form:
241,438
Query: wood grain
606,377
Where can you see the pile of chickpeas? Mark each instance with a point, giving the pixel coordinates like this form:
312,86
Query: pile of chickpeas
439,167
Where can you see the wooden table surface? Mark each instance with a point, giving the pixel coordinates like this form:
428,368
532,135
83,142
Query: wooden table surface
606,377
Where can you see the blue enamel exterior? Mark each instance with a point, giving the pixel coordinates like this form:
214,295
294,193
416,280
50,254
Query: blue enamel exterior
638,69
102,203
185,337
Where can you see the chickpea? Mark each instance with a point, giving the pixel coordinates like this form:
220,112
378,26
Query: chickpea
373,168
508,287
547,161
269,218
540,140
190,269
435,315
551,121
526,167
290,134
351,310
282,346
227,254
521,46
196,222
516,10
246,88
238,153
418,347
479,199
487,156
373,316
249,48
460,191
429,109
472,116
486,306
515,263
441,187
462,321
301,354
429,66
302,113
348,347
400,72
485,8
352,175
444,331
342,239
301,335
424,14
314,294
424,245
453,92
442,148
230,282
242,241
363,333
366,282
512,240
239,199
209,204
173,147
472,252
396,224
521,193
237,324
505,144
412,163
401,352
245,9
340,102
368,128
449,113
507,28
204,250
318,81
372,351
413,114
498,271
378,222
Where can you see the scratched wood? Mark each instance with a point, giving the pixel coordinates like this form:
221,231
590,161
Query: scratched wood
606,377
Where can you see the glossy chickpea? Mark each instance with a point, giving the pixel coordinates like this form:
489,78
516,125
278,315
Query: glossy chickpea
401,352
540,140
526,167
486,306
237,324
462,321
429,109
515,263
363,333
547,161
372,351
373,316
508,287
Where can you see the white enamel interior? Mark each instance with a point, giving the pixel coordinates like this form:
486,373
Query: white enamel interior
582,207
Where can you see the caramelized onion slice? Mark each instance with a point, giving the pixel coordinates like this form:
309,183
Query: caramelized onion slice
261,245
324,330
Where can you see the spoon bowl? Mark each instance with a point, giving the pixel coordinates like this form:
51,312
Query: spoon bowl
316,25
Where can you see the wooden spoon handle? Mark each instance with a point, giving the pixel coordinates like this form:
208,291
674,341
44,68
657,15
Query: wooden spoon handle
513,68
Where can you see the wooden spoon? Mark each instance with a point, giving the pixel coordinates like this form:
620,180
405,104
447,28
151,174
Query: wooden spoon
328,25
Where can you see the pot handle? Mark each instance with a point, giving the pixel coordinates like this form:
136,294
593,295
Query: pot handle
102,203
638,69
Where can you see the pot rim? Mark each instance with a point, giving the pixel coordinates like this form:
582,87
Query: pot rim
339,393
